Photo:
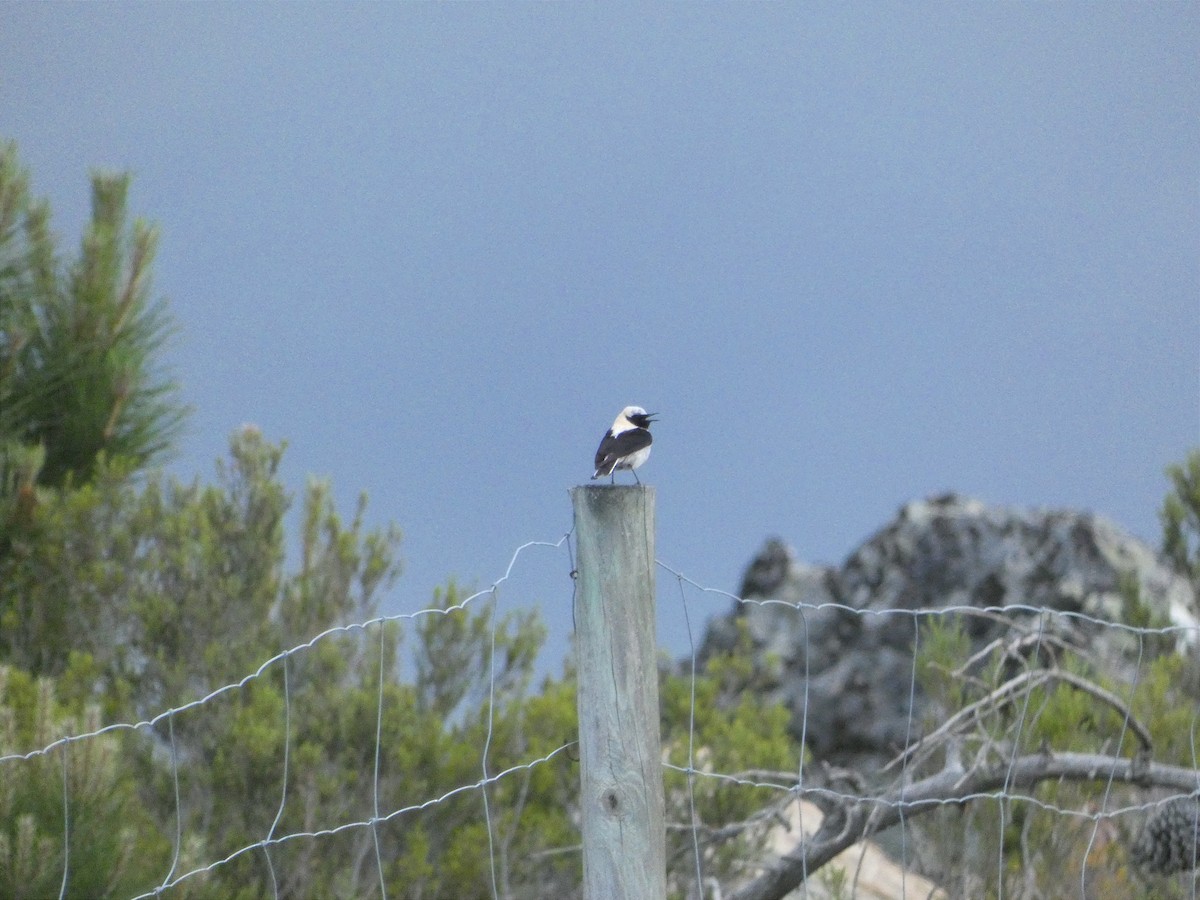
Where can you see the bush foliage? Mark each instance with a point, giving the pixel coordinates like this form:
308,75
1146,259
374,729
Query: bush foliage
125,594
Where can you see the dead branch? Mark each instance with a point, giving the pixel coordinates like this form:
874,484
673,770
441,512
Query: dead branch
861,818
1006,693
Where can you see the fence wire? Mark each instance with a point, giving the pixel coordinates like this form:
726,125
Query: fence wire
909,795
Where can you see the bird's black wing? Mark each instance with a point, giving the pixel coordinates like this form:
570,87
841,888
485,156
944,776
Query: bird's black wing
613,449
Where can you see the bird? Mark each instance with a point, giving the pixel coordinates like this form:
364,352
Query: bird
626,445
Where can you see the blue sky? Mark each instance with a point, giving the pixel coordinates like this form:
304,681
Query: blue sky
852,254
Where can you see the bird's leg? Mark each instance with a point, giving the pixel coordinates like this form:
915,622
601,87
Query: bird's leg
635,478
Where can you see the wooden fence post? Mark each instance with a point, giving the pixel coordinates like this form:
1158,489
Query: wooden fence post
624,838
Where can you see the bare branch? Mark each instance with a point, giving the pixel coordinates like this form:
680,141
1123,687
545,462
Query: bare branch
1002,694
861,819
1089,687
1005,694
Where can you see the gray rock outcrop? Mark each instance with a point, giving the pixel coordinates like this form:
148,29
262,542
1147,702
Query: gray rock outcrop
836,644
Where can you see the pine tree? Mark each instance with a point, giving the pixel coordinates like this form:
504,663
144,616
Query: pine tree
1180,516
79,340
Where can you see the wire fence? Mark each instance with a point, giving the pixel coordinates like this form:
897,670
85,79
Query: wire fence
930,772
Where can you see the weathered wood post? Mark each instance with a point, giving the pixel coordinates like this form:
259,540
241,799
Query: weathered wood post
624,840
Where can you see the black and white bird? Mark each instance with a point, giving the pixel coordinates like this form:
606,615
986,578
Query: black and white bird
626,445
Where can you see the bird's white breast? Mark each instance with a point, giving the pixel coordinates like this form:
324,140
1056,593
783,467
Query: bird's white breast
635,459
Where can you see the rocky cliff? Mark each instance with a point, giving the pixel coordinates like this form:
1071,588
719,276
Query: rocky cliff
837,647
